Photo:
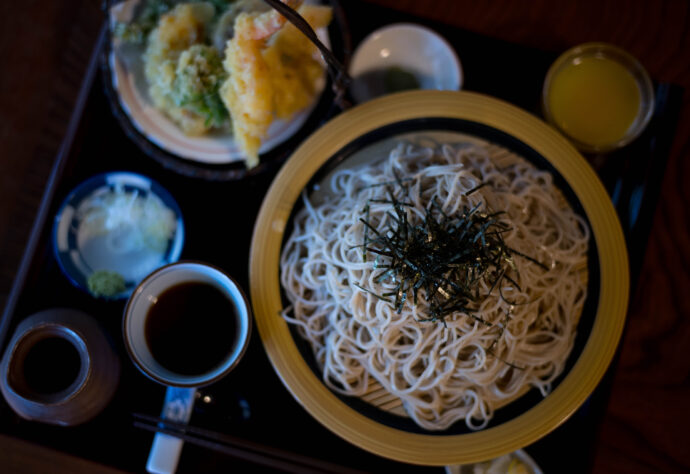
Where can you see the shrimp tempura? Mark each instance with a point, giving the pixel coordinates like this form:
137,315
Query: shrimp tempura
248,92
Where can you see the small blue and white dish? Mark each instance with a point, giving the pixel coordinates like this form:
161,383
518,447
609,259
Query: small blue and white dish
113,230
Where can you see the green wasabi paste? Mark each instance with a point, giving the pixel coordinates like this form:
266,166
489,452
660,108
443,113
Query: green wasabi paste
105,284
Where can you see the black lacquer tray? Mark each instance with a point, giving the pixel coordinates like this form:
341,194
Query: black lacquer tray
251,403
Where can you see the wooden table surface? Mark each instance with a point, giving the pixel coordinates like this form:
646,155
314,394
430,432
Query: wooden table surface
45,46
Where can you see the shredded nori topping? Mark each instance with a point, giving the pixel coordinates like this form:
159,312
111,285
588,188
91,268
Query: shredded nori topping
448,257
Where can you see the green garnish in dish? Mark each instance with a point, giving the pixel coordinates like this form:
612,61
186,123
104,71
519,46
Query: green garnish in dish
105,284
449,257
396,79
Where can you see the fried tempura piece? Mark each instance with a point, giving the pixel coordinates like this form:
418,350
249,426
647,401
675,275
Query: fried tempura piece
247,93
294,63
176,32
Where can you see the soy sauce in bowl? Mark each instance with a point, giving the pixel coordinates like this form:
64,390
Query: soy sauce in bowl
51,365
187,324
191,328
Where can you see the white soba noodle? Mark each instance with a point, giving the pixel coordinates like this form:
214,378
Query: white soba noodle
465,365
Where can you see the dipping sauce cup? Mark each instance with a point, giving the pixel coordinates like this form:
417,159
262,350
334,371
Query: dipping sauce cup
187,324
599,96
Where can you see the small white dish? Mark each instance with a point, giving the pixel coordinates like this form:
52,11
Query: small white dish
400,56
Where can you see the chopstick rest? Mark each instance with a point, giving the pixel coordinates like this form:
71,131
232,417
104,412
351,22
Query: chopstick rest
165,450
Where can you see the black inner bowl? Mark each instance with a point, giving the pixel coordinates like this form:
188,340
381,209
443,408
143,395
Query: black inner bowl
439,124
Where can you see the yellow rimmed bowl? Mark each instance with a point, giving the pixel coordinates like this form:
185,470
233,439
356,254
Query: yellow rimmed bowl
362,131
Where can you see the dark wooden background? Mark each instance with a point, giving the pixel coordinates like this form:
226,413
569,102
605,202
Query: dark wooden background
44,49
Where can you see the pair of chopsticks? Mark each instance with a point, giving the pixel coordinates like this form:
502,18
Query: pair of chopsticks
239,448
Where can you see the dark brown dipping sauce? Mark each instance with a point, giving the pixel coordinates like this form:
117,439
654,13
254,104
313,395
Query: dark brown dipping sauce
191,329
51,365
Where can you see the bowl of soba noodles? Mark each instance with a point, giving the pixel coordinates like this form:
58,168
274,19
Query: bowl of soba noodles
439,277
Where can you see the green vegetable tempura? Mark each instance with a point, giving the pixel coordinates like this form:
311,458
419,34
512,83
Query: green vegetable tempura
198,77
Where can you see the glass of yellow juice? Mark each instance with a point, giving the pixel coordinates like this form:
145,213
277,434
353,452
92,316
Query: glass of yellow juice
599,96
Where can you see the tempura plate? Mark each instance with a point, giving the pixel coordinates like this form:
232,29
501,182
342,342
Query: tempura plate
215,148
